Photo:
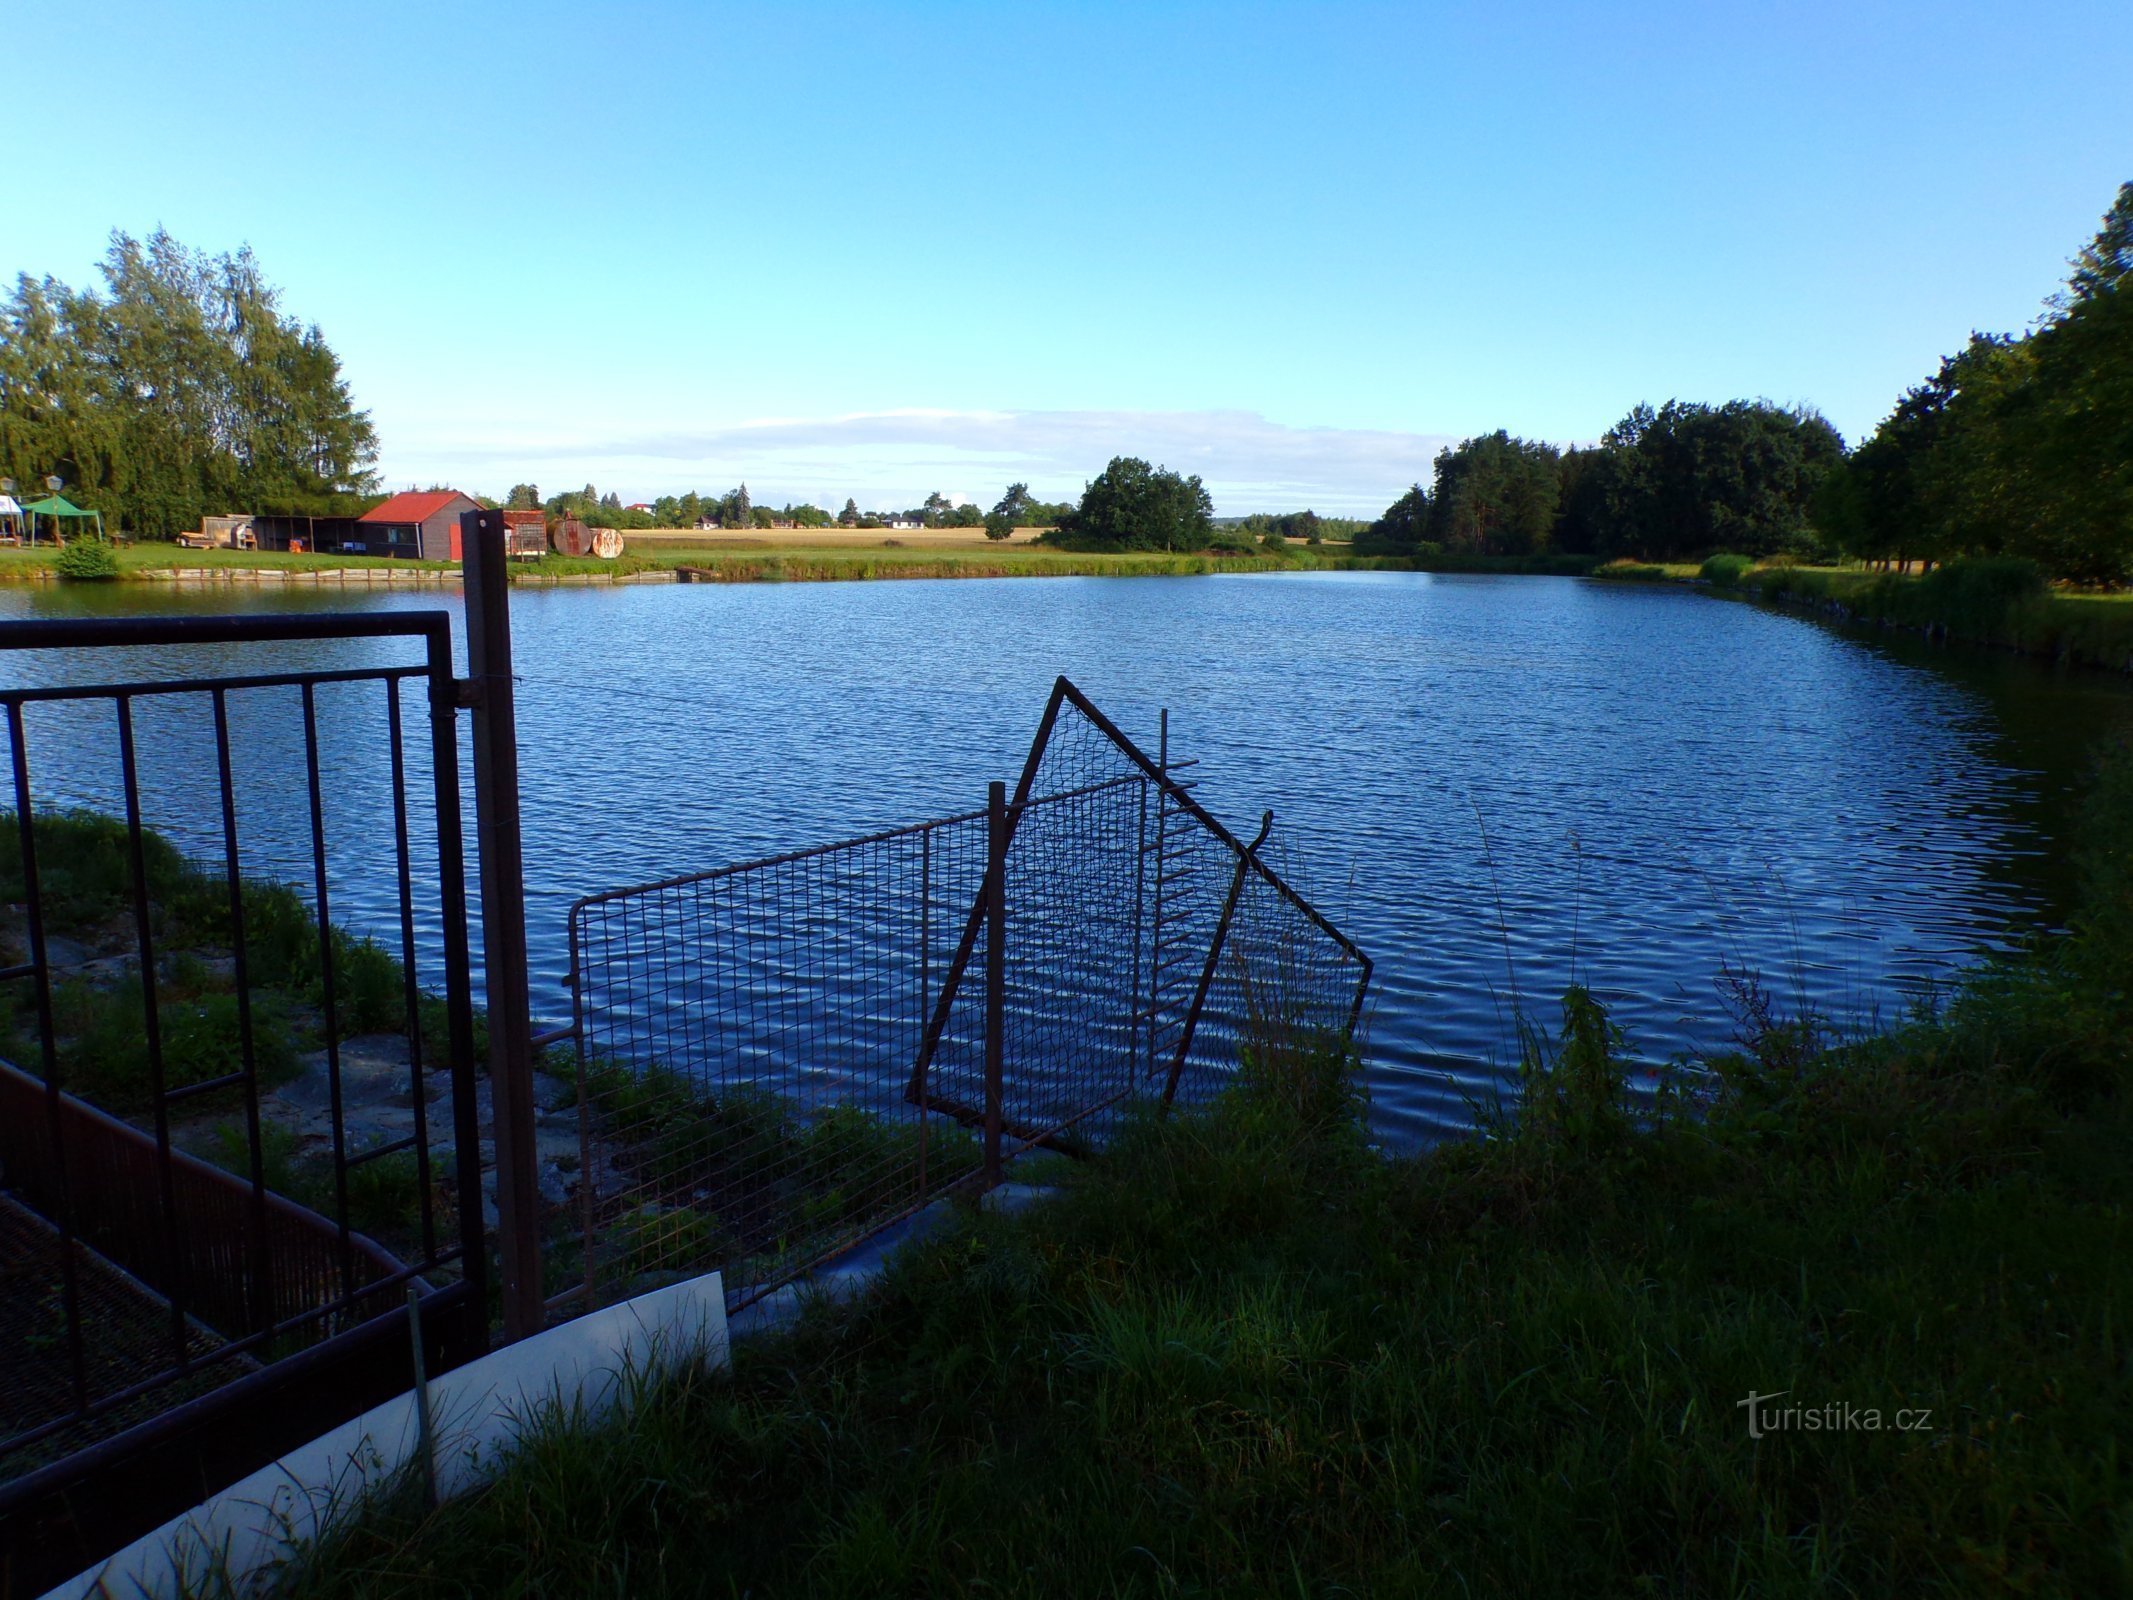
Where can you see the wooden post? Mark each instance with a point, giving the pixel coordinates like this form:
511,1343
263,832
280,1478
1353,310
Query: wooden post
503,920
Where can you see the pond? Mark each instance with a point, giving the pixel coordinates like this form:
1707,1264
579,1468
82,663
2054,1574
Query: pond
1495,785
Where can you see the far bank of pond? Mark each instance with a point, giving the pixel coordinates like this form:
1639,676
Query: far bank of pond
1991,603
728,560
1998,604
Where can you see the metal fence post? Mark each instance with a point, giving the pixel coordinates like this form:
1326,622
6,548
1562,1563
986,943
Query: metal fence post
503,919
995,974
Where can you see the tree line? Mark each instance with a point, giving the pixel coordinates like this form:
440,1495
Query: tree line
2017,446
175,387
2020,445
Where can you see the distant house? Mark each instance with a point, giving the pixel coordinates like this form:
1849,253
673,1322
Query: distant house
642,505
424,525
905,522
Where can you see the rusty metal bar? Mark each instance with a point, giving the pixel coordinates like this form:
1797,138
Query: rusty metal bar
458,979
411,990
152,1025
952,980
262,1257
995,974
1245,862
48,1057
503,918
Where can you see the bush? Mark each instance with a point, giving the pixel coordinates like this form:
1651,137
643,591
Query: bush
84,562
103,1055
202,1039
384,1193
1726,570
1973,596
85,871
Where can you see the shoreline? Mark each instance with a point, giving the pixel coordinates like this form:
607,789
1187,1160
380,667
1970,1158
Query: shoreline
2093,631
857,564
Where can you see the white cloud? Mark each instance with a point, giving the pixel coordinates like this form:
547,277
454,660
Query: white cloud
896,458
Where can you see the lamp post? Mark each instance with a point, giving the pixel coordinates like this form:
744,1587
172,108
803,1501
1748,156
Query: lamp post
54,483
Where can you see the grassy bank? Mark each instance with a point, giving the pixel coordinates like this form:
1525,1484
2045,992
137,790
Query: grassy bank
789,558
2001,603
1247,1354
813,556
22,564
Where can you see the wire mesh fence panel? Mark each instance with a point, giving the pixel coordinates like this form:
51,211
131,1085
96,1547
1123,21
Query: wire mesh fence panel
1280,989
745,1038
779,1058
1073,980
1230,951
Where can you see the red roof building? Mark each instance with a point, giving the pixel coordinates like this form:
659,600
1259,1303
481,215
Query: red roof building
422,524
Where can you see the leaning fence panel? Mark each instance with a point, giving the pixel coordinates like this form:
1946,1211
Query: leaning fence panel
779,1058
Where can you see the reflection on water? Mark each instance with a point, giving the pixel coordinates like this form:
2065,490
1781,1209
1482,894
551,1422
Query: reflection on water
1492,784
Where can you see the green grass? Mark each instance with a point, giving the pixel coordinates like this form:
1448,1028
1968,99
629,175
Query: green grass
781,559
799,562
1988,601
1245,1354
744,1176
384,1192
134,560
85,879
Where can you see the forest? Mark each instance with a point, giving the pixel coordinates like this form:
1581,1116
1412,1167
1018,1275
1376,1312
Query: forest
176,387
2020,445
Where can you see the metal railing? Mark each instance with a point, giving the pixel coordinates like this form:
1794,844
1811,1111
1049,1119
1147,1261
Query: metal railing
221,1279
779,1058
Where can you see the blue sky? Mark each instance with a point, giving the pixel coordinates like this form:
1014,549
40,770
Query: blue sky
883,249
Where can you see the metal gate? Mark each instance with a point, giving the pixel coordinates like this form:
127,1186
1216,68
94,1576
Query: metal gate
177,1320
779,1058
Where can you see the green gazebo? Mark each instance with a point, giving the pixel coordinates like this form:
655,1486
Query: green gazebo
58,508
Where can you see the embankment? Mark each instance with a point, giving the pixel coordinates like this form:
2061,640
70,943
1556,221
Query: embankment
2003,604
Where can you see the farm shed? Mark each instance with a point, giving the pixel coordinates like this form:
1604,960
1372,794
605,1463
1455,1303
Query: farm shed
422,524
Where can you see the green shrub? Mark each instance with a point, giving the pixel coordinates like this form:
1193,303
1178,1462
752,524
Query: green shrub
84,561
280,936
1633,571
85,871
384,1193
1974,597
103,1041
369,987
202,1039
1726,570
1576,1091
